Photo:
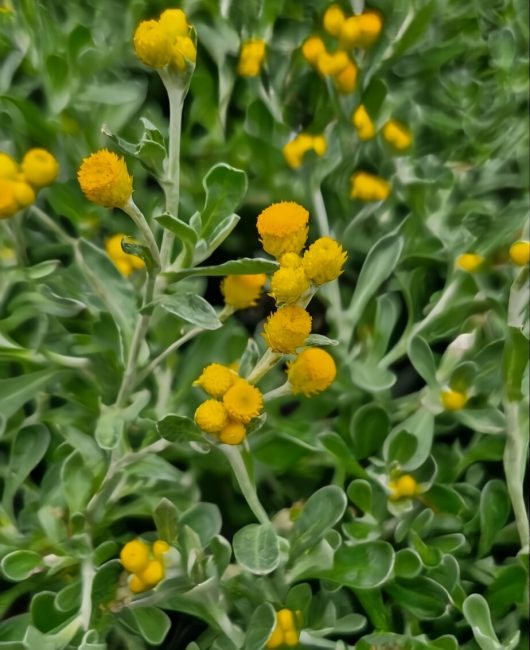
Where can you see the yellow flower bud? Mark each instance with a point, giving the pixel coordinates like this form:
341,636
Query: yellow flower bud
8,202
135,556
136,585
104,179
294,150
350,32
211,416
125,262
520,253
311,372
242,291
39,167
370,24
8,167
312,48
24,194
174,22
362,122
323,260
469,262
333,20
287,329
367,187
233,433
183,49
251,58
283,228
288,285
286,631
290,261
153,573
346,80
397,135
216,379
453,400
160,548
243,402
320,145
152,44
404,487
332,64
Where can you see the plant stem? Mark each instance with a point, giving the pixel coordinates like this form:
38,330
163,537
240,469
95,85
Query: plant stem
50,223
248,489
87,578
281,391
267,361
136,215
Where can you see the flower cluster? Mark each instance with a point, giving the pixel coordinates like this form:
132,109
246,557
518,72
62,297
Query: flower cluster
124,262
145,563
233,403
242,291
336,65
453,400
104,179
295,150
251,58
19,183
359,31
395,133
286,631
367,187
166,41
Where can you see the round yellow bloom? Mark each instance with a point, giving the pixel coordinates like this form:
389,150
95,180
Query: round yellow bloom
160,548
287,329
362,122
469,262
290,261
312,48
242,291
153,573
330,65
397,135
8,202
320,146
152,44
367,187
295,150
453,400
288,285
8,167
135,556
323,260
104,179
350,32
216,379
125,262
243,401
286,631
211,416
346,80
136,585
333,20
404,487
370,24
182,50
174,22
251,58
311,372
520,253
233,433
283,228
39,167
24,194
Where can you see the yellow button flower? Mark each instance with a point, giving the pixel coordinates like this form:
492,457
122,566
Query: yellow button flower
233,433
287,329
286,631
371,24
242,291
282,228
104,179
350,32
346,80
152,44
520,253
8,202
329,65
135,556
216,379
453,400
403,487
160,548
323,260
243,401
320,146
8,167
312,48
311,372
367,187
290,261
333,20
24,194
251,58
174,22
362,122
397,135
211,416
182,50
153,573
39,167
124,262
288,285
136,585
469,262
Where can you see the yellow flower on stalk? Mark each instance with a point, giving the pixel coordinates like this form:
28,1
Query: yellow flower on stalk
397,135
333,20
312,48
8,167
453,400
520,252
211,416
469,262
24,194
152,44
182,50
330,65
135,556
243,401
216,379
160,548
370,24
174,22
232,433
126,263
367,187
362,122
311,372
242,291
104,179
346,80
288,284
153,573
251,57
286,631
323,260
8,203
296,148
403,487
287,329
282,228
39,167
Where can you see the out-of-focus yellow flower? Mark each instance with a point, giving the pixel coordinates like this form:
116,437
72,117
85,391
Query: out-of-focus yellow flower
288,285
469,262
312,48
333,20
330,65
211,416
282,228
397,135
350,32
8,167
453,400
135,556
362,122
152,44
371,24
323,260
296,148
251,58
104,179
152,574
286,631
160,548
367,187
233,433
124,262
8,202
287,329
39,167
216,379
520,253
243,402
182,50
24,194
242,291
174,22
403,487
311,372
346,80
136,585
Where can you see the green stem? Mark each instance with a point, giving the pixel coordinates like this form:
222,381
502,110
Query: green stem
87,579
51,225
372,603
140,222
267,361
246,484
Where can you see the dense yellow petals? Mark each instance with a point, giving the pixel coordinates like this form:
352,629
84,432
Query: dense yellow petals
242,291
104,179
135,556
311,372
211,416
243,402
283,228
397,135
453,400
469,262
216,379
287,329
323,260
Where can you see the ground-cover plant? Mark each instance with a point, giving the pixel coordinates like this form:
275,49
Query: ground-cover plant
264,325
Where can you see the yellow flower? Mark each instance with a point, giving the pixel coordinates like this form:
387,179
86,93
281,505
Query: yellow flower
295,150
39,167
362,122
152,574
136,585
8,202
243,402
125,262
283,228
469,262
286,631
291,261
329,65
152,44
333,20
24,194
367,187
174,22
135,556
370,23
211,416
242,291
403,487
311,372
160,548
320,145
453,400
216,379
104,179
397,135
520,253
233,433
350,32
287,329
323,260
251,57
288,285
182,50
346,80
8,167
312,48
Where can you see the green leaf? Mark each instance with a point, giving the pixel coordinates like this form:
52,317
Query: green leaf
477,614
225,188
16,391
422,358
178,429
256,548
503,48
422,596
249,358
495,508
57,80
363,566
408,563
421,21
44,614
360,494
374,96
508,588
77,482
369,428
191,308
166,518
421,426
243,266
260,627
150,150
401,448
204,519
19,565
152,623
180,228
318,340
109,429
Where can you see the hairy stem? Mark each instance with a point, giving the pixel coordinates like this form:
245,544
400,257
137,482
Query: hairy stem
246,484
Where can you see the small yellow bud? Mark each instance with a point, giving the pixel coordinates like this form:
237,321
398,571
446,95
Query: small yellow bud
39,167
287,329
125,262
370,24
350,32
233,433
323,260
8,167
216,379
243,402
319,145
453,400
211,416
367,187
362,122
24,194
330,65
397,135
346,80
333,20
152,44
183,49
311,372
312,48
251,58
283,228
160,548
288,285
174,22
404,487
242,291
153,573
135,556
469,262
520,253
136,585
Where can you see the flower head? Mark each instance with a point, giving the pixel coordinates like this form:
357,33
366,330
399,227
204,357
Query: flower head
126,263
243,402
286,631
346,80
330,65
242,291
283,228
8,202
104,179
39,167
397,135
333,20
251,58
296,148
24,194
174,22
152,574
469,262
312,48
453,400
182,50
362,122
367,187
135,556
323,260
8,167
233,433
350,32
211,416
403,487
216,379
520,253
160,548
152,43
287,329
289,284
311,372
370,24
